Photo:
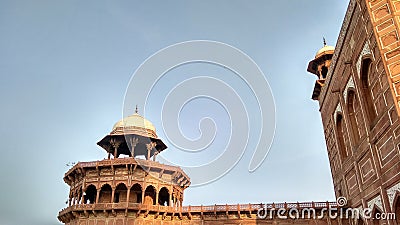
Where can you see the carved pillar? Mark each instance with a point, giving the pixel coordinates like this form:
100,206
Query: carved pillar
150,146
155,154
128,193
170,202
97,195
156,197
115,144
82,199
133,142
112,195
108,147
143,192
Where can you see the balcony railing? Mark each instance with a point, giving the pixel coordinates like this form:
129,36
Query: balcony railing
197,209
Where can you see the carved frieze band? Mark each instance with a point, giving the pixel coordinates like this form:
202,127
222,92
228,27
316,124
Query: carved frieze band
350,84
391,192
365,51
377,201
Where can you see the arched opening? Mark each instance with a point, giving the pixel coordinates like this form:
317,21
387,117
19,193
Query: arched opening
105,194
121,193
351,108
324,72
150,196
90,194
340,135
366,89
163,197
135,195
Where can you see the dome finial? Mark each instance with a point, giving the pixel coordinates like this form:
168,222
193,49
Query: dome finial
136,110
324,41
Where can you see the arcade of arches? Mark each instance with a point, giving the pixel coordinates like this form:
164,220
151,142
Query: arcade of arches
121,193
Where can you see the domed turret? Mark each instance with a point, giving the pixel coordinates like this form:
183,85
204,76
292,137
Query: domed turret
319,66
135,124
326,50
133,136
125,190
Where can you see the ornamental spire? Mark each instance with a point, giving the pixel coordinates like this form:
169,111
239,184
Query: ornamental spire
136,110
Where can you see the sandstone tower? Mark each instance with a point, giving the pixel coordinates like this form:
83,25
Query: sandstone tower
359,101
118,185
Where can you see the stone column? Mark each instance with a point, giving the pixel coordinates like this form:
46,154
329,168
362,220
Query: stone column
150,147
97,196
156,197
115,144
143,192
133,142
83,199
170,203
155,154
112,195
128,193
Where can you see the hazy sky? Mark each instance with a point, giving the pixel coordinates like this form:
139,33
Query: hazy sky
65,66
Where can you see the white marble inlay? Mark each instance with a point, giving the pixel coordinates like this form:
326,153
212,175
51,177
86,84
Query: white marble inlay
365,51
391,192
376,201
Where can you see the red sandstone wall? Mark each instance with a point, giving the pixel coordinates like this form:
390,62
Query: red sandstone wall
366,169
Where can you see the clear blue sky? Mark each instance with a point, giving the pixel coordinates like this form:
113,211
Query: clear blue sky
65,66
